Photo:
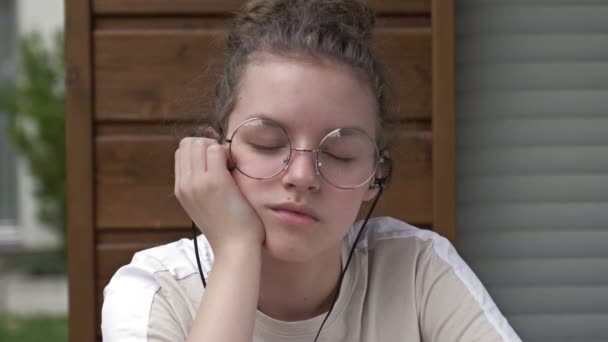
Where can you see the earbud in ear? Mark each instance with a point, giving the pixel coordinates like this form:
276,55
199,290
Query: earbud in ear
378,183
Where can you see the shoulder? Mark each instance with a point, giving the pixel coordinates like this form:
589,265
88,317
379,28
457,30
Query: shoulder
176,258
401,244
383,231
445,289
409,251
130,294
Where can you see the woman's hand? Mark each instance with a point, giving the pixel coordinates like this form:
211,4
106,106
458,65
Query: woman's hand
206,190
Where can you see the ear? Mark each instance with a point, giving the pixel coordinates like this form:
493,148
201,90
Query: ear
383,174
370,193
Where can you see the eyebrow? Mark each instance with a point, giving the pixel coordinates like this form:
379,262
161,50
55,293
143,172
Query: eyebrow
286,127
264,116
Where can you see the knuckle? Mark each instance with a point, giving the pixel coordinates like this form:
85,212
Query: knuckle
214,148
208,142
184,142
200,142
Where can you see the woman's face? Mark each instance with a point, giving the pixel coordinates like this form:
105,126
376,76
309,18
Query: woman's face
309,99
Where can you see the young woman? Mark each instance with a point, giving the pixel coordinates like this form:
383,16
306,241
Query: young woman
276,193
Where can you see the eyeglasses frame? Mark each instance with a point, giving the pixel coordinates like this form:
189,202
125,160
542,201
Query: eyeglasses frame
379,159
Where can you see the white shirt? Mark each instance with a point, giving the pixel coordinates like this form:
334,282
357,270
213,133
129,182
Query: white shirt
403,284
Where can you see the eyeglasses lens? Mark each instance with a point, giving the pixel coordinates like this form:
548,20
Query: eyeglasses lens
261,149
347,158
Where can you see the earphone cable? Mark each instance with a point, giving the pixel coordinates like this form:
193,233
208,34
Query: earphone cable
198,259
350,255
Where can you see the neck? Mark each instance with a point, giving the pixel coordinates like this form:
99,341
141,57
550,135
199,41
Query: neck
293,291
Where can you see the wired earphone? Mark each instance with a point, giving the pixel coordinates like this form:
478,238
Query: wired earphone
380,184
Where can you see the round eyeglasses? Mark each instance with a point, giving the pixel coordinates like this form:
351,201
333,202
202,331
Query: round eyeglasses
347,158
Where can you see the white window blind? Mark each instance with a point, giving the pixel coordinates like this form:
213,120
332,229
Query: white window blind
532,152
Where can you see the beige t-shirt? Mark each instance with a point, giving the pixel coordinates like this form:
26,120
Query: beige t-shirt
403,284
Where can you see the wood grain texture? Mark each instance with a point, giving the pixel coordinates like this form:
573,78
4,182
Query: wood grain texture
172,73
444,120
218,7
134,179
83,313
148,22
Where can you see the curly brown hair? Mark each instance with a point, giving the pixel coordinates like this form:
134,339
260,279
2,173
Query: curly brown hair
336,30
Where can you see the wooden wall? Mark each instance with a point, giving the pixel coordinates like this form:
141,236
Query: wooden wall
138,70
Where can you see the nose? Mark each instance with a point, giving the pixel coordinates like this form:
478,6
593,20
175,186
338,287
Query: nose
301,173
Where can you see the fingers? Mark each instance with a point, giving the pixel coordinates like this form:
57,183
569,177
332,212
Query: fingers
216,159
198,155
185,163
195,155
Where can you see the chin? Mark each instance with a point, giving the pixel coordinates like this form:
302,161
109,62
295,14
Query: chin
298,244
289,245
287,249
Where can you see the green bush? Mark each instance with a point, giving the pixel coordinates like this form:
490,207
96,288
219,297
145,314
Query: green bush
35,107
26,329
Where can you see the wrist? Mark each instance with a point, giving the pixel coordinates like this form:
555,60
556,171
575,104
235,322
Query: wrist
240,250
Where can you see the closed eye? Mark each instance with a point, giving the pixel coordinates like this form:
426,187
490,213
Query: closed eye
338,158
266,148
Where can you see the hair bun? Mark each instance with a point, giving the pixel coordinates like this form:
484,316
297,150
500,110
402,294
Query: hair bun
252,16
351,13
351,17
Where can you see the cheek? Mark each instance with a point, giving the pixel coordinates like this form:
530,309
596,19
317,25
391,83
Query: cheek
343,212
256,192
347,204
245,184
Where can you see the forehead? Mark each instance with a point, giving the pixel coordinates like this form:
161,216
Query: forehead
306,96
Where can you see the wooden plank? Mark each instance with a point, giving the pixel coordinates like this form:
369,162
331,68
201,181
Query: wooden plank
161,22
143,129
444,120
80,239
134,180
400,7
144,237
206,22
172,73
406,54
174,7
218,7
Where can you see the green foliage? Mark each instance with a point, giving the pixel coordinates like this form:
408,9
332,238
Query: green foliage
35,106
26,329
40,263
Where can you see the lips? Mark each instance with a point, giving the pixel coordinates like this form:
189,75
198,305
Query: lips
295,213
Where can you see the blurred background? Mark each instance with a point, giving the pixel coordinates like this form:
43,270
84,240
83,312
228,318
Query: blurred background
33,283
